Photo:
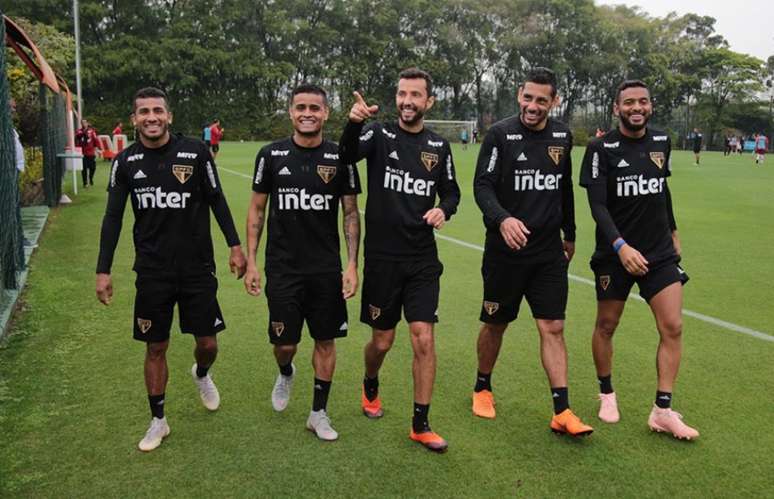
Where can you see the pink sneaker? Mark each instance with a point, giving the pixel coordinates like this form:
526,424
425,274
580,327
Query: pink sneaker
670,421
608,408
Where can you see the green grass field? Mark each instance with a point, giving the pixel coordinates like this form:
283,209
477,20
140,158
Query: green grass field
73,405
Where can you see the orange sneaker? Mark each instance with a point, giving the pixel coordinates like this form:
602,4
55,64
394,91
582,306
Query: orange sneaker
431,440
484,404
371,408
569,423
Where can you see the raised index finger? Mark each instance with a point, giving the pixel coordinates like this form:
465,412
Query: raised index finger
359,98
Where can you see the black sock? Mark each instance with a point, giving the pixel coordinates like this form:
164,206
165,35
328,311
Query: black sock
287,369
605,385
156,403
201,371
663,399
321,390
371,387
561,399
419,421
483,382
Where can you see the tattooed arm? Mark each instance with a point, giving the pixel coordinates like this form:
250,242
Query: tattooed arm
256,216
351,226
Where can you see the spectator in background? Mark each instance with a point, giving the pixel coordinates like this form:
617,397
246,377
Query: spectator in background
86,139
207,135
761,146
216,133
118,130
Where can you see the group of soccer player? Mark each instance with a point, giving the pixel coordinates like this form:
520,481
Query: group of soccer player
523,186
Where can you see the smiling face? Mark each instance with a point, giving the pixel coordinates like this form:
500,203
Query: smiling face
412,101
634,109
535,102
308,112
151,118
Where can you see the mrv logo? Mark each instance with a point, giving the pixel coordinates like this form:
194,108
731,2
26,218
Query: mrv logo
154,197
291,198
637,185
533,180
401,181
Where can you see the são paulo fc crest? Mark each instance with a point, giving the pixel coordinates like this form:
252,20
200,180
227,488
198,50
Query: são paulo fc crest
326,173
182,172
556,153
658,158
491,307
375,312
429,160
278,328
604,282
144,325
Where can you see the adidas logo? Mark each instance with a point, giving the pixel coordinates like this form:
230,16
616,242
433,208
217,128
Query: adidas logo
284,171
394,155
139,174
521,157
317,387
623,164
218,322
665,397
555,395
343,326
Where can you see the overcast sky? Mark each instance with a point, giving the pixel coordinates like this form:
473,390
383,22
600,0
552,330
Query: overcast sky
748,25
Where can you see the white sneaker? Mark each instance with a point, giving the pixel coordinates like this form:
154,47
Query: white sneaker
280,395
156,432
319,423
207,390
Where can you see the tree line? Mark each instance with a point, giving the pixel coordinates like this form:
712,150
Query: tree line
238,59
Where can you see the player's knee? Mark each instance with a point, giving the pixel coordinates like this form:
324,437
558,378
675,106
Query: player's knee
493,328
672,328
606,326
552,329
423,343
382,343
157,350
325,348
284,350
207,344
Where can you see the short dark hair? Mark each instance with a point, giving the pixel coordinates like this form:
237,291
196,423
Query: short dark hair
414,73
541,76
149,93
630,84
309,88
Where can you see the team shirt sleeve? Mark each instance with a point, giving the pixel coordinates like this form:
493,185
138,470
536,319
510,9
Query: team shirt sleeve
213,192
488,170
594,166
350,183
594,177
448,189
667,193
358,142
118,191
262,173
568,197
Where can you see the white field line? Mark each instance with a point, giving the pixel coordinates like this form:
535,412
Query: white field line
690,313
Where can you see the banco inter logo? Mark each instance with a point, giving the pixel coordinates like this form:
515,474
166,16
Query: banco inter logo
402,181
293,198
155,197
534,180
638,185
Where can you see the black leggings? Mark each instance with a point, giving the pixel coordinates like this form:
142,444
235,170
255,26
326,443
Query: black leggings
89,167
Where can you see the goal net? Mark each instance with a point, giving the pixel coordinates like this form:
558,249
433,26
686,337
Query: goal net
453,131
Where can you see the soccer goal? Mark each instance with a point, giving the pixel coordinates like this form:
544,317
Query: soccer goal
453,131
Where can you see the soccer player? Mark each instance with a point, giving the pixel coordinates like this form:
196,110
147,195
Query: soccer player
625,174
523,186
172,183
697,139
408,166
761,146
305,180
216,134
86,138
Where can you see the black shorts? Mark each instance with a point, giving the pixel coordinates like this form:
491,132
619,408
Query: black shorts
696,150
613,282
215,147
544,285
316,298
390,285
197,305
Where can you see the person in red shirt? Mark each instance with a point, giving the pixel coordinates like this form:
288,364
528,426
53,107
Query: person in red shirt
118,129
216,133
86,139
